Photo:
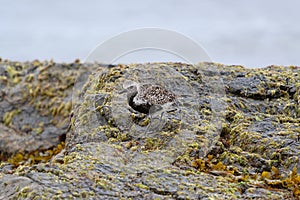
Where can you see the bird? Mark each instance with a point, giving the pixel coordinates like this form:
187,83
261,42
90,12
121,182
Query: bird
149,99
141,97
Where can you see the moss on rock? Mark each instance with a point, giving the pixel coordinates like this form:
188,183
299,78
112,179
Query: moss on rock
248,148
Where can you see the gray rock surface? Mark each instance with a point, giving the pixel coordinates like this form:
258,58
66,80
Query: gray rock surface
232,134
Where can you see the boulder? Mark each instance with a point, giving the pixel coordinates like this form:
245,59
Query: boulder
70,131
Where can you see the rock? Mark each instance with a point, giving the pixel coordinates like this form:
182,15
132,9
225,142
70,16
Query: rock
35,105
232,132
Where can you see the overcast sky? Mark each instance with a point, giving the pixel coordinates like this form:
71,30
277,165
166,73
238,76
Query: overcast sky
251,33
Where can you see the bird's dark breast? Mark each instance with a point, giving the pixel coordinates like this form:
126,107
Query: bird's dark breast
143,108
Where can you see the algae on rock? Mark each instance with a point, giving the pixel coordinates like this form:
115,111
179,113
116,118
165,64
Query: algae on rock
235,145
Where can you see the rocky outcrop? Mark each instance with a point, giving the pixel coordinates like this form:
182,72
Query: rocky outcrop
70,131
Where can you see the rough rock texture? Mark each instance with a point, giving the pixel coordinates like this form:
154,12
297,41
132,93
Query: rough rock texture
233,132
35,102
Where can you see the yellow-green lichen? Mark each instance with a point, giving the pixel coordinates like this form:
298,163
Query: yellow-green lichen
8,116
142,186
36,156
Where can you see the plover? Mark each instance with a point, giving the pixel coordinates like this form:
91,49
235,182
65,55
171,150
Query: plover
142,97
